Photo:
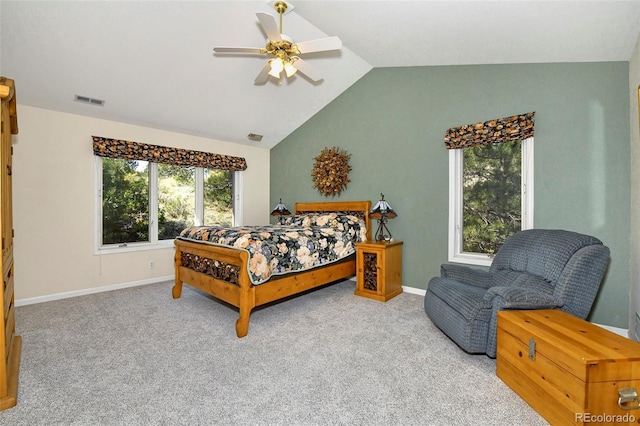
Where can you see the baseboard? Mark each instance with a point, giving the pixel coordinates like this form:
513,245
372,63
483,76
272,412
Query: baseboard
83,292
621,331
66,295
413,290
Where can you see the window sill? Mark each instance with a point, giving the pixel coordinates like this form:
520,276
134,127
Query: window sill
472,259
132,247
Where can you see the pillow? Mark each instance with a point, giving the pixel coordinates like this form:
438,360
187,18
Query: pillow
343,222
312,219
325,219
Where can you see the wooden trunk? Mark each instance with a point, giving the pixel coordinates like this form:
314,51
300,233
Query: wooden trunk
569,370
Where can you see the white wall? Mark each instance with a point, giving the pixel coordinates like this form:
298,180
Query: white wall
53,196
634,295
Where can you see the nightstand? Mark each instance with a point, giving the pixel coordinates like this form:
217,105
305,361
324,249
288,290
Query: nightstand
379,269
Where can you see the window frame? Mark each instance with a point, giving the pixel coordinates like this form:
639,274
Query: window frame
455,253
154,242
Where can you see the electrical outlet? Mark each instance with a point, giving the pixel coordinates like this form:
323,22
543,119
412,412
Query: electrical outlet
151,264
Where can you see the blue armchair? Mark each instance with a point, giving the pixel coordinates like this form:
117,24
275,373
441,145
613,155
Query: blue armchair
534,269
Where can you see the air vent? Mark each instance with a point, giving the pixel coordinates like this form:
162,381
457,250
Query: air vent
254,137
88,100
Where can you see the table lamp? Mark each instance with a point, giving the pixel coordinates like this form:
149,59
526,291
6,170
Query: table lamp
382,211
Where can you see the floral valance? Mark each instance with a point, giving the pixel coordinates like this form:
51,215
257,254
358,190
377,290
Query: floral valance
116,148
514,128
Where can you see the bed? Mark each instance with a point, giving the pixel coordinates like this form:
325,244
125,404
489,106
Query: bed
226,272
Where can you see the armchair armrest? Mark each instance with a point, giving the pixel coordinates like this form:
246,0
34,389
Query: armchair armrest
519,298
464,274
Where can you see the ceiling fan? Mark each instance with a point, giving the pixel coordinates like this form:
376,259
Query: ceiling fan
284,51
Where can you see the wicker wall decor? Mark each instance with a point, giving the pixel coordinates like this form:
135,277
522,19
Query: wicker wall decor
330,173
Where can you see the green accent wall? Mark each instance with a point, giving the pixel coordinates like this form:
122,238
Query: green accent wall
392,122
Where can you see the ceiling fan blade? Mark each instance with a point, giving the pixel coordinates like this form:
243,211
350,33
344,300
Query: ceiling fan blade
263,76
306,69
320,45
237,50
269,25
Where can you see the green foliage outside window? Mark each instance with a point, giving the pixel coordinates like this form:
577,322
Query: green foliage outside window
492,196
125,200
176,199
218,197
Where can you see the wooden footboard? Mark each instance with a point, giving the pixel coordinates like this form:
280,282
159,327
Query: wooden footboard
223,273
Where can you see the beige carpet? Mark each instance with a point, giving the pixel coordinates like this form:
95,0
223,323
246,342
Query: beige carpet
138,357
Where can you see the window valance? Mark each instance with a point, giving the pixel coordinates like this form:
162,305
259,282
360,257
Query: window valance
116,148
514,128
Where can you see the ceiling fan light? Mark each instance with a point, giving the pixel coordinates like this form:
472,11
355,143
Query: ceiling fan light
290,69
274,74
276,67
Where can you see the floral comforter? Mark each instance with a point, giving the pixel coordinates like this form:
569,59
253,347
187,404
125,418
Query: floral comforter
302,242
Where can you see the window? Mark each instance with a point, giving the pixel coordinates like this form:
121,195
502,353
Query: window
176,199
218,197
125,201
490,198
141,203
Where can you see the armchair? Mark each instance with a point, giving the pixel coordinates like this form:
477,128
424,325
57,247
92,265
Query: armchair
534,269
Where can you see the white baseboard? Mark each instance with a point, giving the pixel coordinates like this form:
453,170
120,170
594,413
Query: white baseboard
413,290
76,293
621,331
83,292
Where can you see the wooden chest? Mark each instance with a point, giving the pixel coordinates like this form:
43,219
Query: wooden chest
570,371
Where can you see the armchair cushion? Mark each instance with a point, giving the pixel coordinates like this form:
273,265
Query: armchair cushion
542,252
464,299
519,298
510,278
471,276
457,309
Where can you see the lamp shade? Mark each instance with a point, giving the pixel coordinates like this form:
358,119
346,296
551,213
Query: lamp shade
382,209
280,210
276,67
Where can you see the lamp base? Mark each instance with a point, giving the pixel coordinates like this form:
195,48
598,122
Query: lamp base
382,233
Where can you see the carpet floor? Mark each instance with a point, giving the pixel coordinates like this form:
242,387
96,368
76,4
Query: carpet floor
138,357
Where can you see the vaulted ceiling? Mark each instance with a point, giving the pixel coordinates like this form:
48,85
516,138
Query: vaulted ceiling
152,61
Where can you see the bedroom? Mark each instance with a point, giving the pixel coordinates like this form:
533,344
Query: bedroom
586,132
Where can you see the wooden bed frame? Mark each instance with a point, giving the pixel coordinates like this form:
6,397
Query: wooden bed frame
222,271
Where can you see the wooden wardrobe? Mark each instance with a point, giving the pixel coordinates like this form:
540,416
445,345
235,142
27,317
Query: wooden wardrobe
10,344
